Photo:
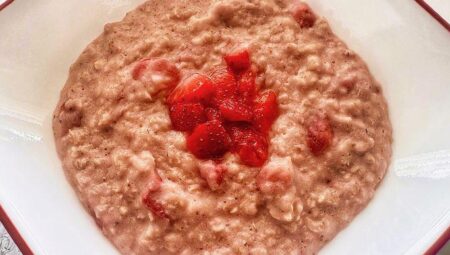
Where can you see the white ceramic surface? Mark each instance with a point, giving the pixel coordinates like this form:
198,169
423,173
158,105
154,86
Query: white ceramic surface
405,48
441,6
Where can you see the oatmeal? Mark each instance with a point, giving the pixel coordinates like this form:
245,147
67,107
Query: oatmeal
222,127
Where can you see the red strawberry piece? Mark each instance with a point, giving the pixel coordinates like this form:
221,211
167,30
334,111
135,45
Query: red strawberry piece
186,116
265,111
247,86
157,70
320,134
253,150
250,145
238,60
139,69
197,88
302,14
219,174
224,83
154,206
236,131
213,114
209,140
233,110
148,198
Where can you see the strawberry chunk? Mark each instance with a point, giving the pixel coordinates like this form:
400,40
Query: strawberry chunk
238,60
319,135
157,71
228,97
186,116
247,86
233,110
209,140
196,88
224,83
237,132
148,198
213,114
250,145
139,69
154,206
266,111
302,14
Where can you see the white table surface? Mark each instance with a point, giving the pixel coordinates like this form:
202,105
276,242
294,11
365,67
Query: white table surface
7,245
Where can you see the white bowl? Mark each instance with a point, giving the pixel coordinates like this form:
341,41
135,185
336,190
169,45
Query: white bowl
405,48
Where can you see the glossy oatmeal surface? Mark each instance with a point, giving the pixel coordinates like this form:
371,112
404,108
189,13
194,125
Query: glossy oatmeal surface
328,148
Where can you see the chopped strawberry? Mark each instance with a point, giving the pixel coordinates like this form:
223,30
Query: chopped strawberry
139,69
212,173
209,140
219,174
230,98
253,150
302,14
155,207
157,71
250,145
224,83
233,110
186,116
247,86
266,111
237,131
320,134
213,114
148,198
238,60
196,88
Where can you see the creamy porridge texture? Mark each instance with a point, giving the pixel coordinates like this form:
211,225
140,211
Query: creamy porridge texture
129,150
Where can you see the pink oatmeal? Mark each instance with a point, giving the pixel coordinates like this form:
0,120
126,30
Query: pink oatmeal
315,162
